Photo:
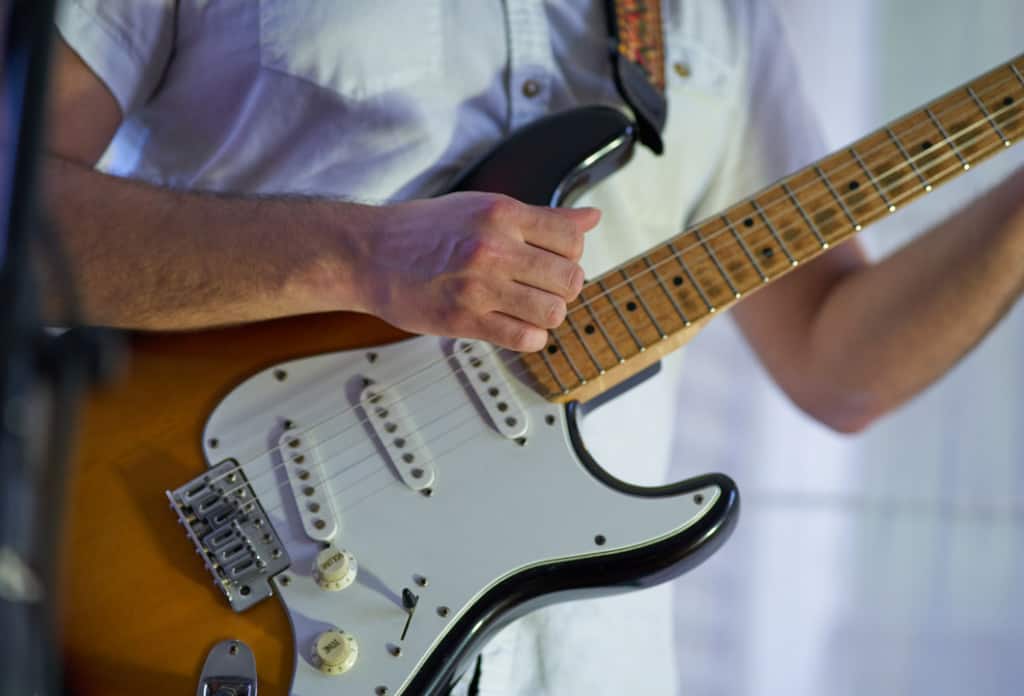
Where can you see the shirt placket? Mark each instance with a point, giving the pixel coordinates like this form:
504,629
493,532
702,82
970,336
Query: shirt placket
531,63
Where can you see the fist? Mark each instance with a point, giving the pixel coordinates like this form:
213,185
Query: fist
475,265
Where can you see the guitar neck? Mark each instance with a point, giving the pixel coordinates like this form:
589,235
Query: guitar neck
634,314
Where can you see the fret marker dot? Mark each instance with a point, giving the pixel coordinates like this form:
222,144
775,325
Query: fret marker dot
1007,101
926,144
631,306
928,188
892,209
588,329
966,167
677,281
854,186
857,228
767,252
749,222
552,349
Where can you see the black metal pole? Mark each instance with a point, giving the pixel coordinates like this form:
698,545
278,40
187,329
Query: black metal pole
27,662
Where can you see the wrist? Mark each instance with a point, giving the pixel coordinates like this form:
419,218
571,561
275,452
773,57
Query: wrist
335,257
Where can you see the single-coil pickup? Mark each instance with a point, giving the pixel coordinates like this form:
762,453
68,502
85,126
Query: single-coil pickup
480,368
310,487
398,434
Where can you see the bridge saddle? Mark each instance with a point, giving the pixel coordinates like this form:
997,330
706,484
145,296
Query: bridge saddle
231,532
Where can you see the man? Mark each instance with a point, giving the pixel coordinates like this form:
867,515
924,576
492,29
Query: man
305,103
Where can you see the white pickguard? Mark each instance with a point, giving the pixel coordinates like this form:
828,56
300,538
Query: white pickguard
497,506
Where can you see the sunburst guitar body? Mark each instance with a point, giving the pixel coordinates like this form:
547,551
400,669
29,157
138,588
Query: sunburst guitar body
324,505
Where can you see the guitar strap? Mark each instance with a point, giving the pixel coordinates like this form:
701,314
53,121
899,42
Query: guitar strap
638,64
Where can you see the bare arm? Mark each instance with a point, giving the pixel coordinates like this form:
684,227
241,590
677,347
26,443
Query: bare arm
473,265
849,341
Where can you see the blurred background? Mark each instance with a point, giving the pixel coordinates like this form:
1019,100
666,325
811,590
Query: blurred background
889,562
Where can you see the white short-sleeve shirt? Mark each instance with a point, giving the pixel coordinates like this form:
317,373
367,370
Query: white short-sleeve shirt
385,100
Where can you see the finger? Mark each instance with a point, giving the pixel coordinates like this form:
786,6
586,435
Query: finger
537,307
559,230
509,332
547,271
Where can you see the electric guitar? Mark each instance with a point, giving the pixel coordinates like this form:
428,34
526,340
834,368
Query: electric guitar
341,508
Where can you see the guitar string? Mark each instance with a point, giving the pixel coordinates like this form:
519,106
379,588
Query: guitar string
351,505
909,177
783,201
749,233
472,417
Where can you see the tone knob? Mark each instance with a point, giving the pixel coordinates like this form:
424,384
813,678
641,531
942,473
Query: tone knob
335,568
335,652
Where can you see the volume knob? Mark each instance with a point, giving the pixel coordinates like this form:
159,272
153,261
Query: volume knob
335,568
335,652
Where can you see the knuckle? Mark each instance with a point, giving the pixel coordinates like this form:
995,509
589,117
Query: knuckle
497,210
573,279
576,246
471,293
484,250
554,314
520,338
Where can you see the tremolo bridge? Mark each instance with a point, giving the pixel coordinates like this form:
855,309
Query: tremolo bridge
231,532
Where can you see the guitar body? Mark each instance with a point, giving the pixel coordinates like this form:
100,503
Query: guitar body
463,497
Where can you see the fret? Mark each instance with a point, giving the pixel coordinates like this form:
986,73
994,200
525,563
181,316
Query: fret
774,232
807,220
664,288
724,247
714,259
887,165
745,248
693,282
861,201
828,223
910,161
935,156
551,370
664,258
967,125
1002,94
949,141
637,296
874,182
618,312
566,355
697,259
838,199
596,322
767,251
583,342
643,304
988,116
1016,72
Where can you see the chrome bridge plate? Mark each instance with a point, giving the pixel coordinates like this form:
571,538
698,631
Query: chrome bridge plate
231,532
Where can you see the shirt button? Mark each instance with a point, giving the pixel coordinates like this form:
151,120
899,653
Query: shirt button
531,88
682,69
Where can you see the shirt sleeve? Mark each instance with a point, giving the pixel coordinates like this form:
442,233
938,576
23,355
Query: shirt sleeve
127,43
775,130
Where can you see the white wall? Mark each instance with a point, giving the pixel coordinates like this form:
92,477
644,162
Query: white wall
892,562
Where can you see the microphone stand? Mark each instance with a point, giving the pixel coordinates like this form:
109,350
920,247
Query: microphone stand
41,377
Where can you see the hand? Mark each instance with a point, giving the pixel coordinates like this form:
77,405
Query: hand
475,265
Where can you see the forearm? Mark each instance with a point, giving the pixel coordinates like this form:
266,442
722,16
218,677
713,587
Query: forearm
147,257
886,331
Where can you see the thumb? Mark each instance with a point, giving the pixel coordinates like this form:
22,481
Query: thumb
585,219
